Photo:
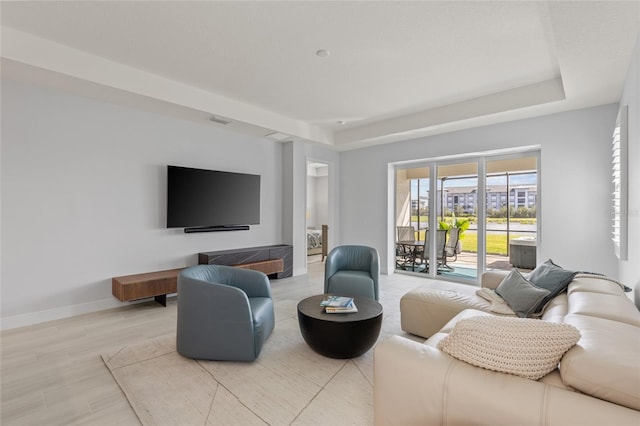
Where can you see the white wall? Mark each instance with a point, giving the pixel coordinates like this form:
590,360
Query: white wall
575,172
84,193
630,269
322,200
317,200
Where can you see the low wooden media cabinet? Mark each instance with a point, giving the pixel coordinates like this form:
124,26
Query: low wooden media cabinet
274,261
140,286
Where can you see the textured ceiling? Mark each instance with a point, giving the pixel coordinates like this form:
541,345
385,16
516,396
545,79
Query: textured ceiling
395,69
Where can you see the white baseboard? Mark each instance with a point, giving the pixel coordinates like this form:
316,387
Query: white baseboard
24,320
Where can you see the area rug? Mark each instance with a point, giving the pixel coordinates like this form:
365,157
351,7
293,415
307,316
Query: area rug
289,384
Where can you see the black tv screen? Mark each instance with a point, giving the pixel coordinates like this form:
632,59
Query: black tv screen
198,198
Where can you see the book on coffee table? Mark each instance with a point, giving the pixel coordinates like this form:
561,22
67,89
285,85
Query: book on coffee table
341,310
337,301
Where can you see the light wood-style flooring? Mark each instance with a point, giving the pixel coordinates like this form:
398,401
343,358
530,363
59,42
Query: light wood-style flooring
52,373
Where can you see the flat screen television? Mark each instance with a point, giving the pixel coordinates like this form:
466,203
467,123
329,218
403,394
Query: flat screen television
211,200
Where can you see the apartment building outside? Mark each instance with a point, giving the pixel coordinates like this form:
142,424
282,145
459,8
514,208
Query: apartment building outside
463,199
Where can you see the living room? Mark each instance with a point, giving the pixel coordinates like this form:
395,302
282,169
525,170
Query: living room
84,171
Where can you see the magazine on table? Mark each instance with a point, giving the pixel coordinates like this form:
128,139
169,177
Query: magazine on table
341,309
337,301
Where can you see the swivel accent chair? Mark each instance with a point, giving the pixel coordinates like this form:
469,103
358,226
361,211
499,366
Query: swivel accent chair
352,270
224,313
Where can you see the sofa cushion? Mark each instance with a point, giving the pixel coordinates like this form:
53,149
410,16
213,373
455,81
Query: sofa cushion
606,306
605,362
521,295
523,347
595,284
425,309
467,313
552,277
556,309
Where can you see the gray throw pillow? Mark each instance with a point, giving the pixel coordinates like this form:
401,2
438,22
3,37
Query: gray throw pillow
521,295
551,277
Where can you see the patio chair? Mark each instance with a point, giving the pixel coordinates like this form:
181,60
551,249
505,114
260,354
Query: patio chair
452,245
404,253
422,253
406,233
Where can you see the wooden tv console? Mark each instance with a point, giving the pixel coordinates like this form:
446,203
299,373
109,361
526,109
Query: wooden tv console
275,261
140,286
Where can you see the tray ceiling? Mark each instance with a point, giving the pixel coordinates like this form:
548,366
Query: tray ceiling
390,71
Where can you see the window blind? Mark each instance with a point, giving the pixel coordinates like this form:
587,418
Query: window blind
619,158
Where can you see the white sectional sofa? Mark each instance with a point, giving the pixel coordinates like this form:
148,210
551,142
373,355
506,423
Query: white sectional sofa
597,381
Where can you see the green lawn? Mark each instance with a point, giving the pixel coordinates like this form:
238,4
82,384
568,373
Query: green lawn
496,243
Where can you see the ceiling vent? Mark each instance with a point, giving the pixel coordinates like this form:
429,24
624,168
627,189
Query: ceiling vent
276,136
219,120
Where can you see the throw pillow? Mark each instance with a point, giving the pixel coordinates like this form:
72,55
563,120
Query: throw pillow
523,347
521,295
552,277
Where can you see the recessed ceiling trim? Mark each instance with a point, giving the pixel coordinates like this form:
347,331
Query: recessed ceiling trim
35,51
434,78
509,100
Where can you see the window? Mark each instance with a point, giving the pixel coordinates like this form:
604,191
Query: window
619,156
475,194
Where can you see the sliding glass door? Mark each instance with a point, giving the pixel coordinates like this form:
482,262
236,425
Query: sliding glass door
458,191
483,210
412,200
512,213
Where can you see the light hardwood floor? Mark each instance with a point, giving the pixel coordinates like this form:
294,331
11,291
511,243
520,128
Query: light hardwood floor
52,373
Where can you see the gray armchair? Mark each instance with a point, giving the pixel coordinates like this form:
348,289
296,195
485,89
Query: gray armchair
352,271
224,313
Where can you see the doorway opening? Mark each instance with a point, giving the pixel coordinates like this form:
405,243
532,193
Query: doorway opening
317,211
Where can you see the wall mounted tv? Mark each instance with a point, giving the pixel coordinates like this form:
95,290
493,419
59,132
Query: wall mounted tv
210,200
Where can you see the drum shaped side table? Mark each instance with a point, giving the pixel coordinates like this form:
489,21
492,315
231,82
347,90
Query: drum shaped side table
347,335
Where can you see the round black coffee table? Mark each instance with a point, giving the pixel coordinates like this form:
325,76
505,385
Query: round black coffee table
340,335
